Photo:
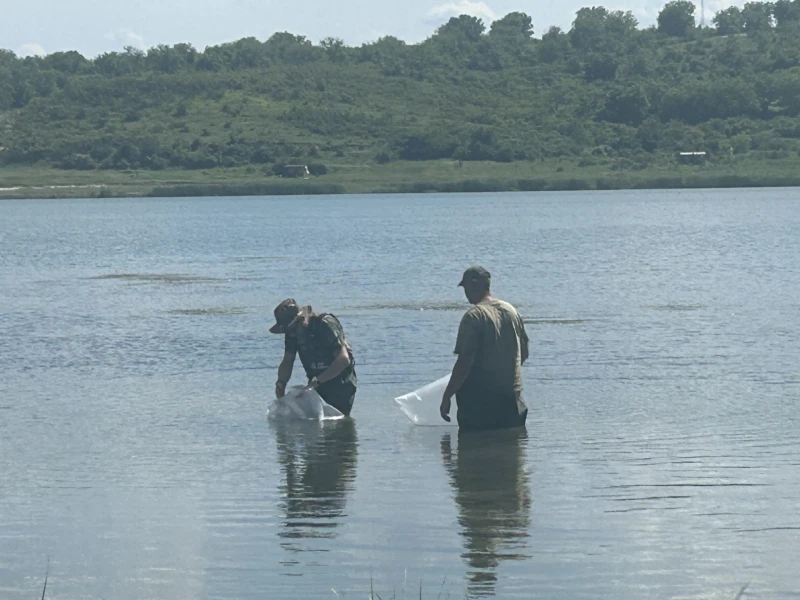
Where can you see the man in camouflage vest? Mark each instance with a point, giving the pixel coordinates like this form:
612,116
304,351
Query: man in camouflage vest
491,346
324,352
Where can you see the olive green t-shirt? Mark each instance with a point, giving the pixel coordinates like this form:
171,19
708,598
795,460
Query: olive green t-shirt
494,331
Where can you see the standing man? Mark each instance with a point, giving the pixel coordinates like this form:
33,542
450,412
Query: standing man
491,346
324,352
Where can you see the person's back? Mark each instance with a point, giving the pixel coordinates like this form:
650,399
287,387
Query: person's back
491,347
494,330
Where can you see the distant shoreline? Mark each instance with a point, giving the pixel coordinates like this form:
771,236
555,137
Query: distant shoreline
467,186
399,178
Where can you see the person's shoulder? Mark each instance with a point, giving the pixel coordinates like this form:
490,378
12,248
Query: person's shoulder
325,319
506,307
472,318
475,312
331,322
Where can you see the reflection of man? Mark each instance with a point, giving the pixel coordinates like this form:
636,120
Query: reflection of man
491,491
319,468
492,346
324,352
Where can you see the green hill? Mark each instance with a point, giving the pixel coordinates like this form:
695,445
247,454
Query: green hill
604,104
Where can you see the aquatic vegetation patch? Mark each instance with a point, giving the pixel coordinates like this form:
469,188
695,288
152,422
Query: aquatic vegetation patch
158,278
214,310
553,321
245,258
440,306
672,306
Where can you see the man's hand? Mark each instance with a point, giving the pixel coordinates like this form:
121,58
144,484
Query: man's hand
444,407
280,389
313,384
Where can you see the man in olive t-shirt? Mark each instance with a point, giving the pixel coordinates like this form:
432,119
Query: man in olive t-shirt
491,346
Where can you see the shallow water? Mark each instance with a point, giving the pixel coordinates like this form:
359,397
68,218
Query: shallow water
661,457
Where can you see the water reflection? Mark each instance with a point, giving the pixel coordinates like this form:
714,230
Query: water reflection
318,463
490,482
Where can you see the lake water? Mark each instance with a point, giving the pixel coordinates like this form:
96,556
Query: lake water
661,457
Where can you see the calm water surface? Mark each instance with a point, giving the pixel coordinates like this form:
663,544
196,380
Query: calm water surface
661,458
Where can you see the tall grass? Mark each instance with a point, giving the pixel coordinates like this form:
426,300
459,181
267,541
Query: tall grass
248,189
422,177
602,183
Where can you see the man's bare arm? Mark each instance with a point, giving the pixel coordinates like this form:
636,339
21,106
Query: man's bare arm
284,373
457,378
339,364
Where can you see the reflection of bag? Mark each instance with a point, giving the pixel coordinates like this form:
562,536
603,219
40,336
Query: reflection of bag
299,404
422,405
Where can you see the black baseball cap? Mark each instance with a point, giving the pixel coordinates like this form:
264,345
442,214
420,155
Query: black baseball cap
474,275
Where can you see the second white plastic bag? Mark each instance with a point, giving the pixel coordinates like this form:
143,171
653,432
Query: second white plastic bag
422,406
302,405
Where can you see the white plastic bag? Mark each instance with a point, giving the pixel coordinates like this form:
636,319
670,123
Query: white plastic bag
422,405
304,405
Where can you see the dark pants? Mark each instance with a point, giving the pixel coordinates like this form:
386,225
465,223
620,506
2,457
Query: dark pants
340,393
480,407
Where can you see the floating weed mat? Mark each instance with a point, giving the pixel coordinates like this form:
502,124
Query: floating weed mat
554,321
675,307
158,278
444,306
214,310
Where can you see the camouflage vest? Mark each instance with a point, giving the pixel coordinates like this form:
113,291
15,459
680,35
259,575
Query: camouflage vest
317,349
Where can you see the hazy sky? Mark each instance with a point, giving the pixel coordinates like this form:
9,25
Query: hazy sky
96,26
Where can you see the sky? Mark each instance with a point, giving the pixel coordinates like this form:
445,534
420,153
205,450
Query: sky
93,27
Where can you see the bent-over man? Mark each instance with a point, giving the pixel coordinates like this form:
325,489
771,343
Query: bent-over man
324,352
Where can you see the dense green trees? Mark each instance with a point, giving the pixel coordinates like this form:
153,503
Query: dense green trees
469,92
677,18
729,21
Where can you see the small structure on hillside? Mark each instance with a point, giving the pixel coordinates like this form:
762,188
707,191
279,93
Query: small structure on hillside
296,171
692,158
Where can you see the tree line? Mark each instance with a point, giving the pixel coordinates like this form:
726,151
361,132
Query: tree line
604,88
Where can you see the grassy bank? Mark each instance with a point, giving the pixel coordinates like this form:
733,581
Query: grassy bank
397,177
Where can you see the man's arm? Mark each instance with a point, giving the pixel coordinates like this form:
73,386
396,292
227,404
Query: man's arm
457,379
340,362
523,342
467,346
284,373
459,374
